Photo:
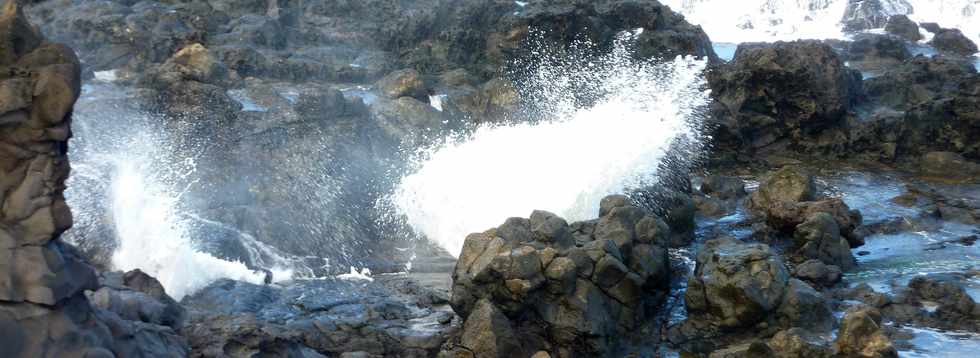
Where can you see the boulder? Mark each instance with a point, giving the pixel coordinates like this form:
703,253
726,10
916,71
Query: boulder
875,52
818,273
860,335
819,238
902,26
786,186
488,333
799,343
783,96
954,42
804,307
741,292
735,285
937,104
401,83
580,291
723,187
956,308
787,198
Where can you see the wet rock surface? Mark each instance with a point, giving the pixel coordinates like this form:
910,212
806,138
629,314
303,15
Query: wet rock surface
44,310
783,96
545,288
390,316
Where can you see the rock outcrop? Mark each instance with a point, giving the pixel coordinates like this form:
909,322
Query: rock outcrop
390,316
788,202
920,106
861,335
540,284
784,96
741,290
902,26
954,42
44,311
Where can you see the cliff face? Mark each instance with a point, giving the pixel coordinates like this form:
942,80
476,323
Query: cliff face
44,311
39,83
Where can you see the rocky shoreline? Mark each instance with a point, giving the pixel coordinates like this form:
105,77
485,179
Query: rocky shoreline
822,153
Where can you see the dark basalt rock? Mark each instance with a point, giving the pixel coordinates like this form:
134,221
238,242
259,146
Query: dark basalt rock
742,291
861,335
818,273
44,310
876,52
931,27
325,317
783,96
823,229
901,26
953,41
931,104
546,288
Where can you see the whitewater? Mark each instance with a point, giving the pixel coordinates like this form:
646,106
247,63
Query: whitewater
566,160
786,20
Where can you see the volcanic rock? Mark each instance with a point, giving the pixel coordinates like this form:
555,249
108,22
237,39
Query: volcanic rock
562,296
43,307
787,198
783,96
901,26
742,291
819,238
861,335
954,42
736,285
818,273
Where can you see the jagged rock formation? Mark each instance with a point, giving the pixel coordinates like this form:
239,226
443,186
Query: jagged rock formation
787,96
953,41
922,105
741,290
861,335
542,284
902,26
44,310
822,229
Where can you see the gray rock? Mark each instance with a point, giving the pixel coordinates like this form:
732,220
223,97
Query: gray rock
488,333
954,42
819,238
786,95
585,296
901,26
735,285
401,83
799,343
818,273
723,187
861,335
804,307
